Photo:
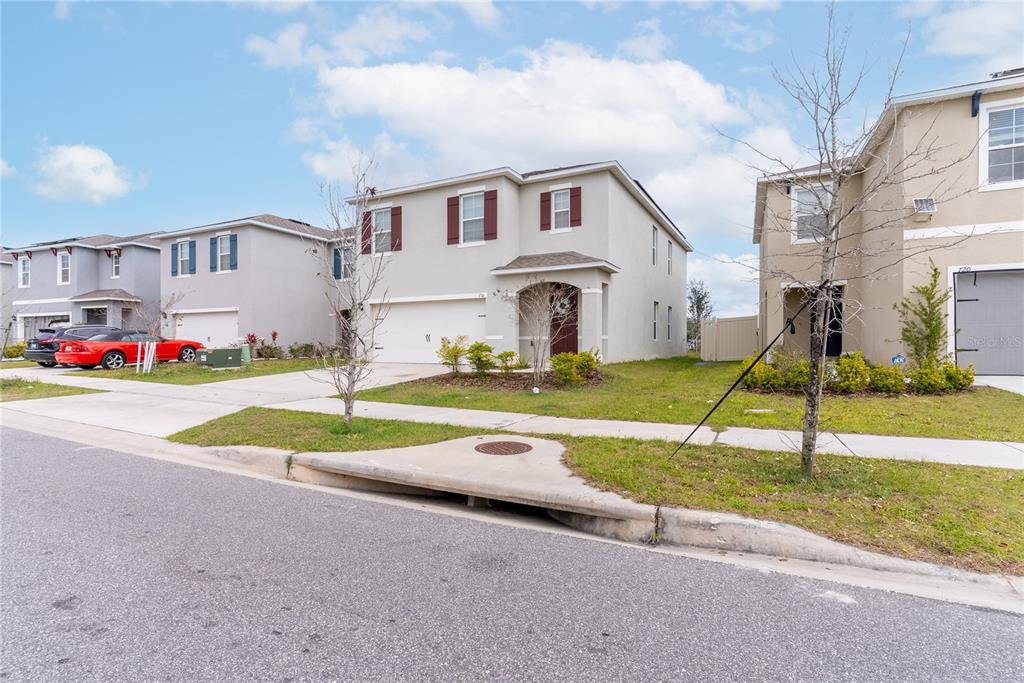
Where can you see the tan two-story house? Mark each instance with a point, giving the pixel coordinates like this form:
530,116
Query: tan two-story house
963,209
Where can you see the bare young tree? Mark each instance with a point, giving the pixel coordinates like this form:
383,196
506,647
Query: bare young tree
353,286
150,317
545,311
699,299
850,200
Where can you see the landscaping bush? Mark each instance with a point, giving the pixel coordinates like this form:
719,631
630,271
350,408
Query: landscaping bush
886,379
927,380
302,350
923,321
762,376
506,362
269,351
15,350
480,356
794,368
587,363
571,368
853,375
453,352
957,378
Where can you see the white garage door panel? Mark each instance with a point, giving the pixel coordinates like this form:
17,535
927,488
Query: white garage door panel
211,329
990,321
411,332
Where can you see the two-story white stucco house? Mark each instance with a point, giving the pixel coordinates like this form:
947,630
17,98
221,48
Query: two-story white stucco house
100,279
451,247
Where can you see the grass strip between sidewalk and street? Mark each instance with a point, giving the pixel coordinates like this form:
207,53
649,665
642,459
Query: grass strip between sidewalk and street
191,373
968,517
680,391
14,364
24,390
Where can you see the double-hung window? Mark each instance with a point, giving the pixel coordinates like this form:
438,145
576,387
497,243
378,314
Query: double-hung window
382,230
655,336
668,324
223,253
115,265
668,254
808,213
560,209
24,271
348,261
1005,145
63,268
654,246
183,258
472,217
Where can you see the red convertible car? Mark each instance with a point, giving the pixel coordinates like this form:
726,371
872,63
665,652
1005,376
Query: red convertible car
117,349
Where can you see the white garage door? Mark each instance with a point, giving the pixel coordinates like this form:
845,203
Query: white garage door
411,332
989,321
211,329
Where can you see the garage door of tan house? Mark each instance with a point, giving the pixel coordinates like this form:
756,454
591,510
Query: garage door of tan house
989,321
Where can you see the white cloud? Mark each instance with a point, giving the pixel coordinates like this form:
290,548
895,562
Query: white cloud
988,32
82,173
392,160
483,13
647,43
6,170
274,6
62,10
738,33
287,49
732,281
761,5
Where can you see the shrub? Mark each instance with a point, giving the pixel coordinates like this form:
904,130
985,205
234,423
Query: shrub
888,380
794,368
269,351
957,378
927,380
453,352
302,350
564,367
506,362
923,321
853,374
761,376
15,350
587,363
481,357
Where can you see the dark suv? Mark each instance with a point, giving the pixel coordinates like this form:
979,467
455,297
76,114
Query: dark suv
45,343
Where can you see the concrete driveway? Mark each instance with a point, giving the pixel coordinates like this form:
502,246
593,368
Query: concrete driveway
156,409
1014,383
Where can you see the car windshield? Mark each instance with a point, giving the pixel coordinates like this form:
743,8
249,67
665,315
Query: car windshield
109,336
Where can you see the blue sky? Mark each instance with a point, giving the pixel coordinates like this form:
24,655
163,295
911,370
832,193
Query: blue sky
132,117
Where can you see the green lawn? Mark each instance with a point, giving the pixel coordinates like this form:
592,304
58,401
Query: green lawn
678,390
23,389
11,364
190,373
963,516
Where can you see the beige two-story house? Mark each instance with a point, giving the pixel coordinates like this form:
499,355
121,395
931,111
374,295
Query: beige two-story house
963,210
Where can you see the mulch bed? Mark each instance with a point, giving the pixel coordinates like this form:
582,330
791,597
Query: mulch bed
517,381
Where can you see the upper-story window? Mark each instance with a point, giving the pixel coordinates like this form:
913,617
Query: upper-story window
808,213
472,217
184,262
560,209
382,230
24,271
654,246
223,253
668,254
1006,145
115,265
63,268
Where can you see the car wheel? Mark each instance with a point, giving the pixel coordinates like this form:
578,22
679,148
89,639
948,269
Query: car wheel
46,364
113,360
187,354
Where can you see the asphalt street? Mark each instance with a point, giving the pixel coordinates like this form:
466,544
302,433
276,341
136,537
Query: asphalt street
120,567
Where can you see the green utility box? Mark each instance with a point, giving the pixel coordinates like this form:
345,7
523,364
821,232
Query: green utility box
220,358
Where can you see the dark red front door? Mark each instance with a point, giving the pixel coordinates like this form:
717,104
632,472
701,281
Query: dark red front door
564,322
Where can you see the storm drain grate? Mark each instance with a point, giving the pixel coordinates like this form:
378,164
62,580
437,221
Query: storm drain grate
504,447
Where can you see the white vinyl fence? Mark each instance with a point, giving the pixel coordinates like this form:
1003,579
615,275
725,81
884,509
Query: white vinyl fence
729,338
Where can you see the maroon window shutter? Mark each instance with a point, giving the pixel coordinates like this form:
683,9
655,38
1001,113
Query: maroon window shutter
396,228
545,210
575,206
367,232
453,220
491,215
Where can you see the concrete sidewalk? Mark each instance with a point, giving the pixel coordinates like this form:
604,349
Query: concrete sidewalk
950,451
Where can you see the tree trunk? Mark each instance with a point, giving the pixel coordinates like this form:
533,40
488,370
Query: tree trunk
815,380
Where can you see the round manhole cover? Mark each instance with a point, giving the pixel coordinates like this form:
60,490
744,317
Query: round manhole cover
504,447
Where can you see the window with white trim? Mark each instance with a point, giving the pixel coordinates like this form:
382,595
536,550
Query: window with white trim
655,337
348,261
654,246
115,266
808,213
1006,145
223,253
668,324
24,271
183,260
382,230
560,209
668,254
472,217
63,268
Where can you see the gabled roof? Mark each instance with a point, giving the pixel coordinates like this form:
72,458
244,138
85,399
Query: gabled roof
614,167
106,295
263,220
554,260
101,241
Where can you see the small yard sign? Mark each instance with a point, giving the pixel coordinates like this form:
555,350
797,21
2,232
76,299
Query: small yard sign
899,359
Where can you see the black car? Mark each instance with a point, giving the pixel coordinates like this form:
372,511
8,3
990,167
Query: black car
45,343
